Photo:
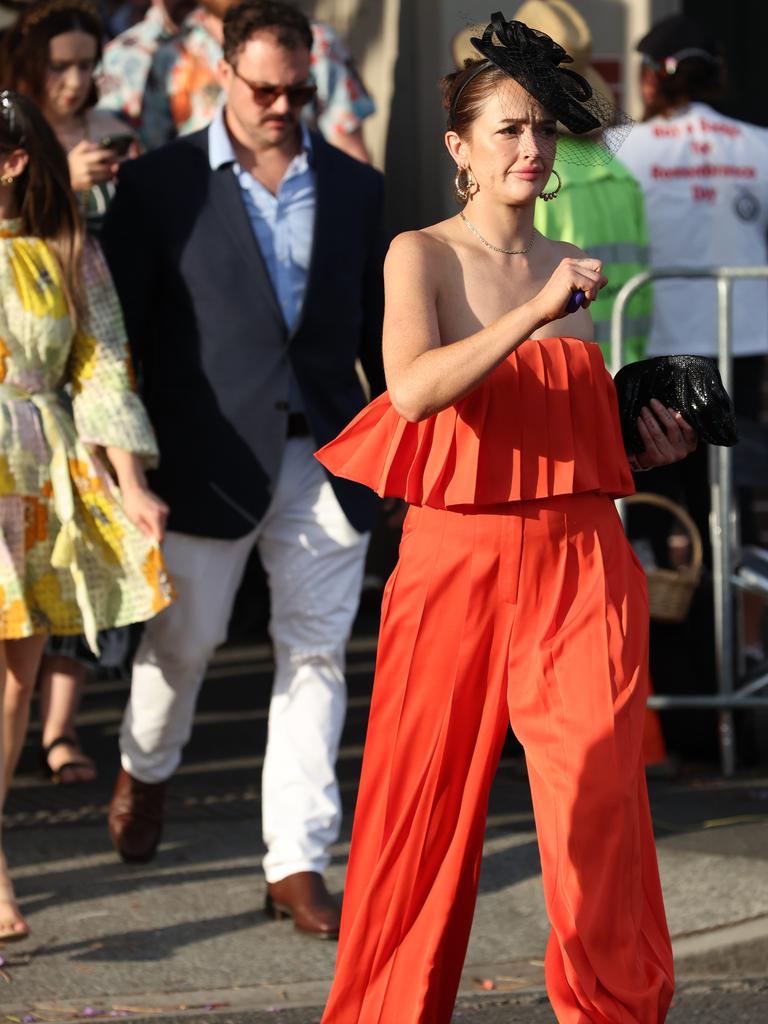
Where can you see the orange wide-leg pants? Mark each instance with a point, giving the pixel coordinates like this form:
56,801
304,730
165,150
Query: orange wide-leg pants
533,613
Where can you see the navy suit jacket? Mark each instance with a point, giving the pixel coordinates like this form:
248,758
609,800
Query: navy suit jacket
208,338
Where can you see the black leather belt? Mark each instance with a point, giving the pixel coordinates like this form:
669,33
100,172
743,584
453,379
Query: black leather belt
297,425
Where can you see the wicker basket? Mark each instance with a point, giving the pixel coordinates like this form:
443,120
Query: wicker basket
670,591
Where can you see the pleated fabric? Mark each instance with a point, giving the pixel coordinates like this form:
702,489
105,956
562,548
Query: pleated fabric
543,423
533,613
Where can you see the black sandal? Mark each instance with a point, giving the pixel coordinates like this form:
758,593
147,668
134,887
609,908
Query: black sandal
55,775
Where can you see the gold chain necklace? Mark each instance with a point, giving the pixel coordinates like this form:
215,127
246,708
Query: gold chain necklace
496,248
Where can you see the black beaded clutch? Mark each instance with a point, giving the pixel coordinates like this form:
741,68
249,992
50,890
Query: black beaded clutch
691,385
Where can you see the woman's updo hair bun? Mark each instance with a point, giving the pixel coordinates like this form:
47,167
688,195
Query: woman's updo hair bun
473,88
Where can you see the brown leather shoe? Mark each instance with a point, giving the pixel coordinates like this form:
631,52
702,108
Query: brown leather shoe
136,817
304,897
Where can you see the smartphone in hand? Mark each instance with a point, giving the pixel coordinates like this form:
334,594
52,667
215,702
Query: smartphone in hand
119,144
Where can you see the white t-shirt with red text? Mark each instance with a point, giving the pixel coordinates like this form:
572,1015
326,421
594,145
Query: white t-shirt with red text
705,181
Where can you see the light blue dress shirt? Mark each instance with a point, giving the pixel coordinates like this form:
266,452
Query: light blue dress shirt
283,224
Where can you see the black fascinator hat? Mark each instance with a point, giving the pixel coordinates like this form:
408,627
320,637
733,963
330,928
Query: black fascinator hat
540,65
533,60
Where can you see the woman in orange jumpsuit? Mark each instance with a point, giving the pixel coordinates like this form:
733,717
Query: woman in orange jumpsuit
516,596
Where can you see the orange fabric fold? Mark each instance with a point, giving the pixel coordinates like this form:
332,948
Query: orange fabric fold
544,423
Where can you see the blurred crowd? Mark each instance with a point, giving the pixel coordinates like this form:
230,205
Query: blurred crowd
114,82
216,154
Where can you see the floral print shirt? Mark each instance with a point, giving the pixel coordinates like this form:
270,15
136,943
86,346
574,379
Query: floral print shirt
126,65
182,93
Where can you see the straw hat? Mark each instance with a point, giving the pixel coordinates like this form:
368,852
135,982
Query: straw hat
557,19
8,16
10,11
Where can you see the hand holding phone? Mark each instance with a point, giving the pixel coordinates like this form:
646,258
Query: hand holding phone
91,165
118,143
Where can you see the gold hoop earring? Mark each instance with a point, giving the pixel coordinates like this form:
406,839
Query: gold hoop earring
7,180
464,184
546,196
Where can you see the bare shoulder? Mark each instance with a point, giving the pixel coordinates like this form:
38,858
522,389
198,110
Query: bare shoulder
424,242
417,251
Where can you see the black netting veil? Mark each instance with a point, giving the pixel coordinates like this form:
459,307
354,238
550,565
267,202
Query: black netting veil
539,65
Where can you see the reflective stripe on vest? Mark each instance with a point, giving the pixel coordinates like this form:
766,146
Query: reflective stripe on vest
620,252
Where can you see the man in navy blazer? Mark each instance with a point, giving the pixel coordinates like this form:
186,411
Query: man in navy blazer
248,259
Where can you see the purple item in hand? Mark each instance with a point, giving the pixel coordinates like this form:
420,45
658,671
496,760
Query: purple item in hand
575,302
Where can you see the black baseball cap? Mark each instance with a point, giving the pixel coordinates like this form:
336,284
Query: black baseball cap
679,37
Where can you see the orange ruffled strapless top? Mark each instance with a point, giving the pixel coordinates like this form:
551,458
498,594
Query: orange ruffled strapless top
545,422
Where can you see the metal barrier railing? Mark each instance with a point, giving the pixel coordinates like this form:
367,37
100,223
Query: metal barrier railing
722,518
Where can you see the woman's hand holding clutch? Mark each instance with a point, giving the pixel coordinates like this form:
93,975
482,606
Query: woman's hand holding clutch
666,437
667,403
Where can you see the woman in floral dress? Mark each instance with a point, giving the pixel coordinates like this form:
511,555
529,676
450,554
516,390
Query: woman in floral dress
78,553
51,56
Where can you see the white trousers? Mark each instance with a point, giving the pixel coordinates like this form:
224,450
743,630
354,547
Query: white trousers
314,561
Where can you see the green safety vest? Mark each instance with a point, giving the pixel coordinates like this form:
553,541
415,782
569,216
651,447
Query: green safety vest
600,209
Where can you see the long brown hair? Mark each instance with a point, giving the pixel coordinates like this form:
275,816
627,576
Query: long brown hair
44,198
24,53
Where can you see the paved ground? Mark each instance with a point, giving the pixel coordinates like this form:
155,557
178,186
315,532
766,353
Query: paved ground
729,1003
185,936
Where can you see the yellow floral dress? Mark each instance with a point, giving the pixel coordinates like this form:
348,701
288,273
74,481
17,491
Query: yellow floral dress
70,560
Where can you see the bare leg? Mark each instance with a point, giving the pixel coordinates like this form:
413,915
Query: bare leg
60,682
22,659
12,924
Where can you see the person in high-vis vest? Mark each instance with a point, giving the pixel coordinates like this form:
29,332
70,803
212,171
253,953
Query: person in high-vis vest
600,209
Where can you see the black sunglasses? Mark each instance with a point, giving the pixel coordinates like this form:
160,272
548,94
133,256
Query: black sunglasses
265,94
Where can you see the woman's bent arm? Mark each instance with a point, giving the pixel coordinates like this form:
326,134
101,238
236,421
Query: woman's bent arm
424,376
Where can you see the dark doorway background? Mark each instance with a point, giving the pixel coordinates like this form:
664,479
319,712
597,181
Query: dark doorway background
742,32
